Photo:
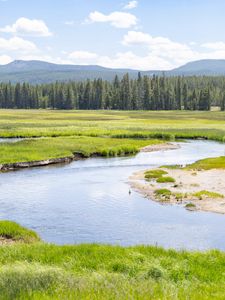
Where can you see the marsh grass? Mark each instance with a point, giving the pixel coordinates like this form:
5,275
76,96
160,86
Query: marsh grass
42,271
45,148
167,125
154,174
106,133
208,164
165,179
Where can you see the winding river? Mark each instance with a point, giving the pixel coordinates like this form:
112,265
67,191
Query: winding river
88,201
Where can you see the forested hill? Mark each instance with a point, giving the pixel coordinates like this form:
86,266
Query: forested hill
37,72
142,93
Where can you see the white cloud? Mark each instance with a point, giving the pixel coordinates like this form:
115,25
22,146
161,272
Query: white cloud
82,56
24,26
116,19
173,52
120,60
17,44
215,46
133,61
136,38
131,5
5,59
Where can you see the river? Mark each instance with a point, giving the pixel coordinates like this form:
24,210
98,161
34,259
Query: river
88,201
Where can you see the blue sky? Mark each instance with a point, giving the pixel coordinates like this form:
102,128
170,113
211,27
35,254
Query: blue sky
140,34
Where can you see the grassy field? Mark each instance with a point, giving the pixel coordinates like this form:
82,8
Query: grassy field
107,133
38,123
44,271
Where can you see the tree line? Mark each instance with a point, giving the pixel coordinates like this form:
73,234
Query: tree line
142,93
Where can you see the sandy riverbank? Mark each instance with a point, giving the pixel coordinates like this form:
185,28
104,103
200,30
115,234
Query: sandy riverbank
160,147
187,183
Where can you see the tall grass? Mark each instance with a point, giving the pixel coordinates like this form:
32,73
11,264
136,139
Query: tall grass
41,271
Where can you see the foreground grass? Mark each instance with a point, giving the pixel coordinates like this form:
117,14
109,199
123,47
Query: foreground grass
45,148
45,271
42,271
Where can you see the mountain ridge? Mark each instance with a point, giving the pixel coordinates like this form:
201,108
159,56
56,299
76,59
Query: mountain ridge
35,71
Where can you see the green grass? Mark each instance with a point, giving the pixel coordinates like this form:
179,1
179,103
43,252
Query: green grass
106,133
13,231
45,148
42,271
190,205
166,179
132,124
208,164
163,193
154,174
207,194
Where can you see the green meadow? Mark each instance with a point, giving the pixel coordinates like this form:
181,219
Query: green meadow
31,269
47,123
107,133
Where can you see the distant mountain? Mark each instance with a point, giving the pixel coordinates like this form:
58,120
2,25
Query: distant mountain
43,72
202,67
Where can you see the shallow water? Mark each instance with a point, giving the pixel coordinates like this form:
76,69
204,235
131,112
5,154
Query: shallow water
10,140
88,201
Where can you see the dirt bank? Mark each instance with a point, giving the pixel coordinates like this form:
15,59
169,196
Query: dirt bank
40,163
183,191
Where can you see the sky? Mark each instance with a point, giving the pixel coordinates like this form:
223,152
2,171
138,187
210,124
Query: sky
141,34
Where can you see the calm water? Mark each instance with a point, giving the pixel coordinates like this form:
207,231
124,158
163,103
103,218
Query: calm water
10,140
88,201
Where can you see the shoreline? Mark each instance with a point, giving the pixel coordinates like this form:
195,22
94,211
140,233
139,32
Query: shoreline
189,190
77,156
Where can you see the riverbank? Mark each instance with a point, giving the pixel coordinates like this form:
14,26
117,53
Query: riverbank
45,271
160,147
194,189
77,148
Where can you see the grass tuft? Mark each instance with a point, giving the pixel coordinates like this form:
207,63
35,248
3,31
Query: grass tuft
166,179
207,194
13,231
